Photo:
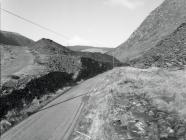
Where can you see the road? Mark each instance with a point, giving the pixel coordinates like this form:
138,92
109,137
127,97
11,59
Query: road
55,121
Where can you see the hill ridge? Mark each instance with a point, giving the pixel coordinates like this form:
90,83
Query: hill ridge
15,39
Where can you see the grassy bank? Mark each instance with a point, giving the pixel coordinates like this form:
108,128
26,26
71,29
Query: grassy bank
136,104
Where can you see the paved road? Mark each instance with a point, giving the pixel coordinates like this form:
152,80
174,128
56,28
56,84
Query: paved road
54,120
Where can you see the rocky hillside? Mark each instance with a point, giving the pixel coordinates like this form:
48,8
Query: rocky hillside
169,52
10,38
157,27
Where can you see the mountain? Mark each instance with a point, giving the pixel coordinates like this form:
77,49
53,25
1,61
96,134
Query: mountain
169,52
47,46
56,57
89,49
46,55
15,39
162,23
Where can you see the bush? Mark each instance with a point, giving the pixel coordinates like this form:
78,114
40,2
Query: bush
36,88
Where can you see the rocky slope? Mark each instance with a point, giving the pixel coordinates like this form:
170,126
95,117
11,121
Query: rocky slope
169,52
159,25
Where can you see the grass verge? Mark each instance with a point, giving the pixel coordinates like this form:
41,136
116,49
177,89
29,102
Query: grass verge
136,104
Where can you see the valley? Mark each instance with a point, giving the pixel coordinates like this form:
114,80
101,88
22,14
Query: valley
135,91
33,73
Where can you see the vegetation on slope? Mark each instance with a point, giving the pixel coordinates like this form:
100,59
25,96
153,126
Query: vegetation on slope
102,58
80,67
15,105
135,104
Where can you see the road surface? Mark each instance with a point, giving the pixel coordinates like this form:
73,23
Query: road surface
55,121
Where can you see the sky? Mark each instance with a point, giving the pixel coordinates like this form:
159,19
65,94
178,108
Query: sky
100,23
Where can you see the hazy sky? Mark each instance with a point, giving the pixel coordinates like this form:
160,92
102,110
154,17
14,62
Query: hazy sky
100,23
